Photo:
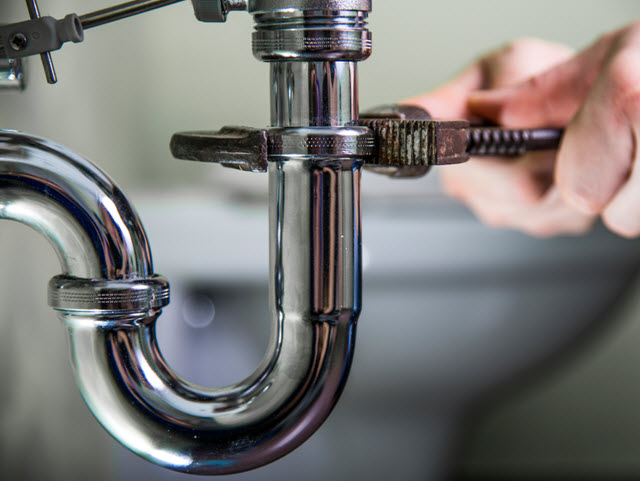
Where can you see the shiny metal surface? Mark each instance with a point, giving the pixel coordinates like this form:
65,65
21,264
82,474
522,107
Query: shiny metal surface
314,303
216,10
47,61
312,94
272,5
124,10
242,148
321,142
304,34
315,300
108,296
12,75
236,5
249,149
94,230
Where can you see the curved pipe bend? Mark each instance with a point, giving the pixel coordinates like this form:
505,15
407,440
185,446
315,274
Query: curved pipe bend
314,304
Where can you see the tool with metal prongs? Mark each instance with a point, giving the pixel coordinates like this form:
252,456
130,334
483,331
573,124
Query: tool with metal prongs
42,35
402,141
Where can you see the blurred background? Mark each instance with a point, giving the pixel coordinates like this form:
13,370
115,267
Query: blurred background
482,354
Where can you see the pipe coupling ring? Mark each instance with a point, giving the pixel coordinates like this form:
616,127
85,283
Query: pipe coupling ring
275,5
108,296
321,142
310,45
311,30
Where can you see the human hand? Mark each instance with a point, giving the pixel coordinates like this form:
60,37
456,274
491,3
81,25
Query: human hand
532,84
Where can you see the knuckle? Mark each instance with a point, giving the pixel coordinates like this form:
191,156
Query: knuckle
523,44
529,46
511,53
624,82
579,193
581,198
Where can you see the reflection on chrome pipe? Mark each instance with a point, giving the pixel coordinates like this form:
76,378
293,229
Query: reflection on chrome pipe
309,94
220,431
110,301
12,75
94,230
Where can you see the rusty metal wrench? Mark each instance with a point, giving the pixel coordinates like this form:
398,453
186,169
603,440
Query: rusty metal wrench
409,142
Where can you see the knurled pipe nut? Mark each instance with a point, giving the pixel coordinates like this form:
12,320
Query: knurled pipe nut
275,5
74,294
326,142
352,45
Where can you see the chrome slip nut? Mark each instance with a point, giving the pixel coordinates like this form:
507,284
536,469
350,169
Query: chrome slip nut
311,30
324,142
102,296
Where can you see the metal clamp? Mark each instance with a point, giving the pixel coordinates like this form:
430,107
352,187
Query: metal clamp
43,35
108,296
322,143
40,35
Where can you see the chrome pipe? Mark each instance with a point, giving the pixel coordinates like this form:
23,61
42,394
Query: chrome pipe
93,229
314,307
119,369
311,94
12,75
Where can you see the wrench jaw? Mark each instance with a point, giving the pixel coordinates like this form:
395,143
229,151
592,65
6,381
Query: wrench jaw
395,112
409,141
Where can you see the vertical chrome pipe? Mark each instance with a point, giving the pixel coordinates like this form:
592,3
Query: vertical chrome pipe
315,238
314,181
315,196
314,94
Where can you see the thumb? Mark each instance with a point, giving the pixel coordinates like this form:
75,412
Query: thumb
550,99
